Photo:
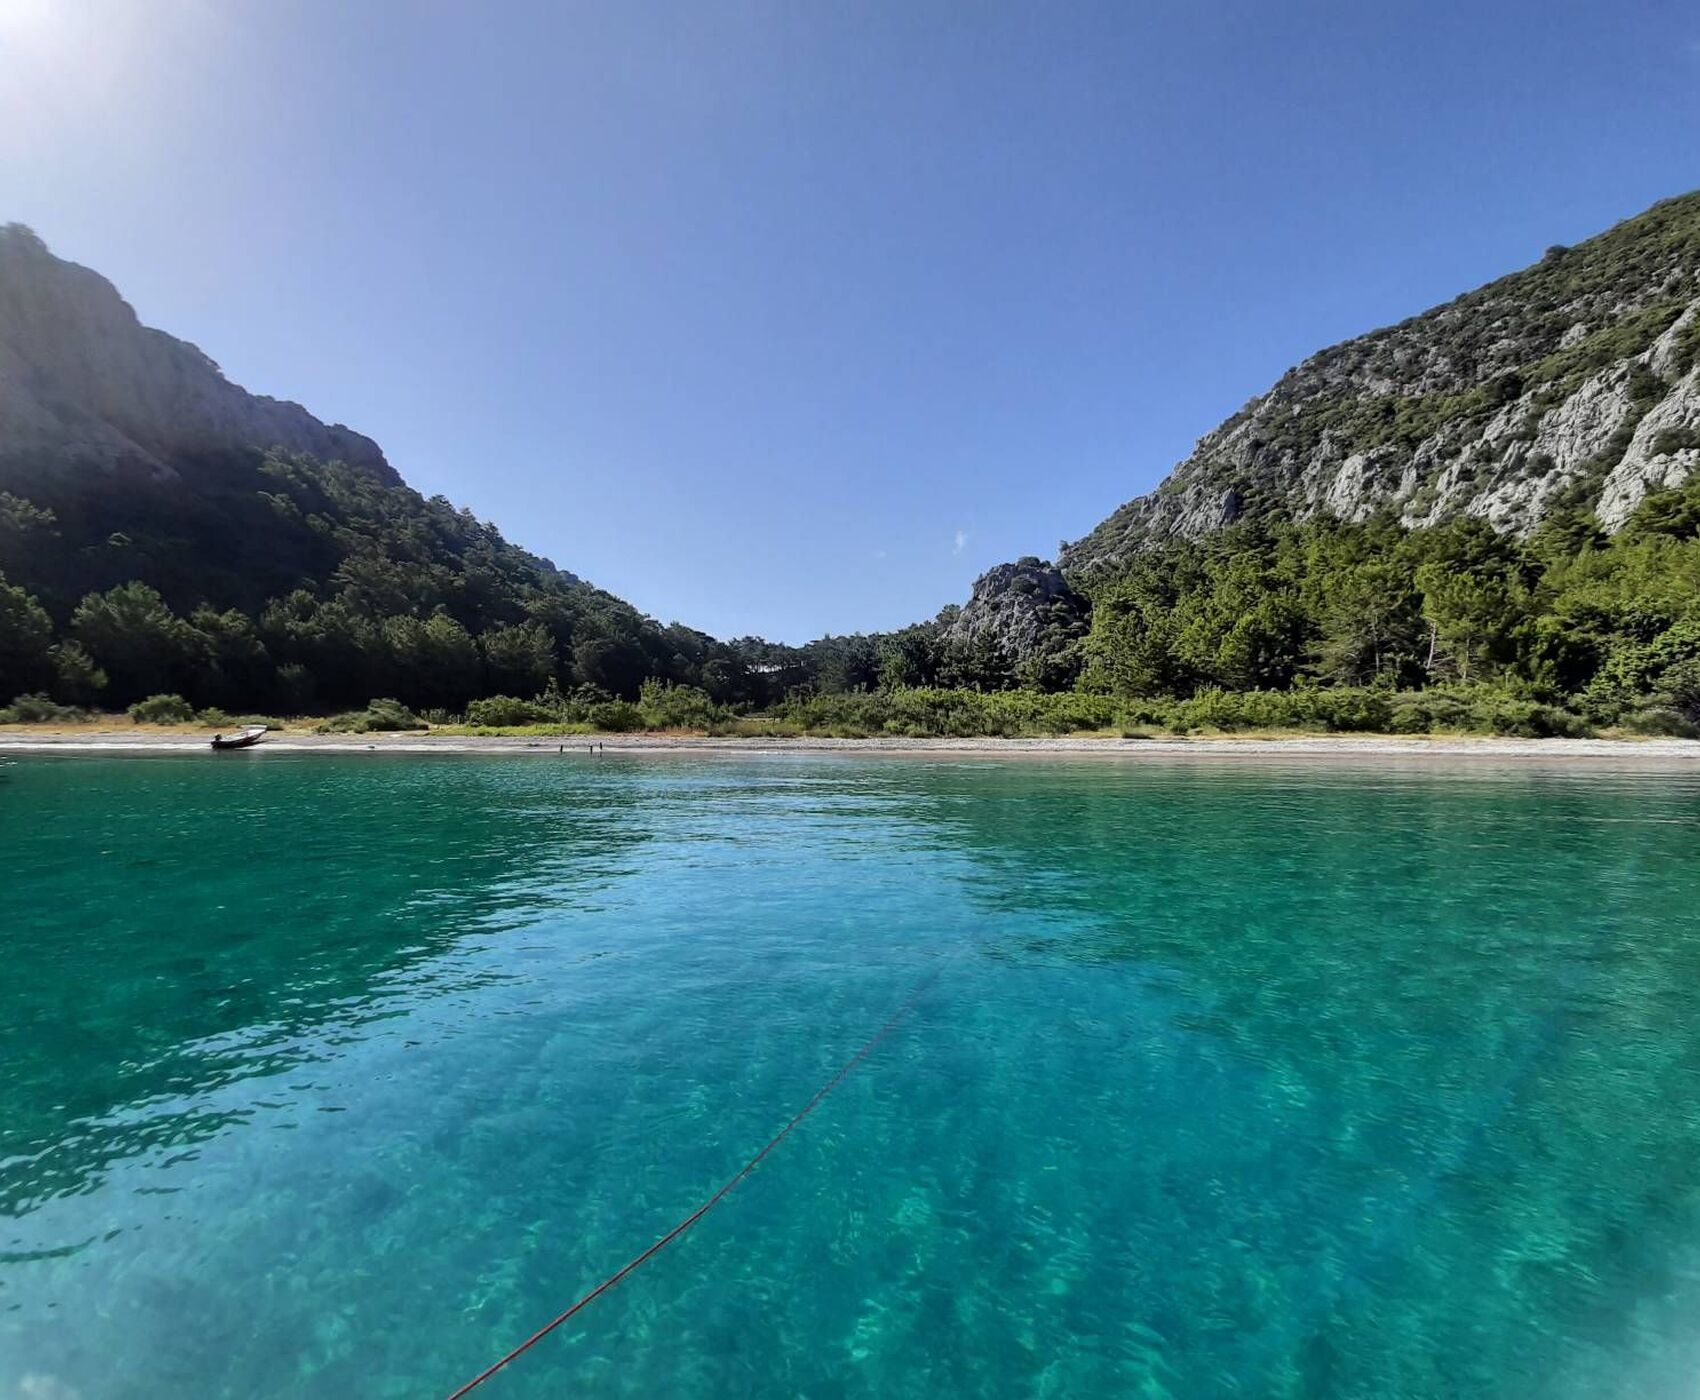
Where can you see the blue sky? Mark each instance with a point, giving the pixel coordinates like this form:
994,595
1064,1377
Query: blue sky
791,318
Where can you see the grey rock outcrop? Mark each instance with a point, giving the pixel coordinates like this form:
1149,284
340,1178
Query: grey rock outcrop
1650,464
84,384
1027,608
1559,380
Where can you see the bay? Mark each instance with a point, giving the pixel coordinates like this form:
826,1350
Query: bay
331,1075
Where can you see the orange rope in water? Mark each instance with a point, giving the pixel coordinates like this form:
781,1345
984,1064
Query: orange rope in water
712,1201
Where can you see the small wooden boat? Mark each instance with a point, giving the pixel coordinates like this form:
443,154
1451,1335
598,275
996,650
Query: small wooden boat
247,738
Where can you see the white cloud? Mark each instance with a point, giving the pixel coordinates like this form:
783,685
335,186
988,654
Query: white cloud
961,542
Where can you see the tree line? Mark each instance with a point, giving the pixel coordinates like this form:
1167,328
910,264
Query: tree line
271,582
377,591
1608,626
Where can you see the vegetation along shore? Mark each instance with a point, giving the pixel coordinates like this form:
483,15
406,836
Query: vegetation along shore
92,738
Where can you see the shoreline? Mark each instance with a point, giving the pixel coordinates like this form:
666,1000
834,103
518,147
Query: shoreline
1661,751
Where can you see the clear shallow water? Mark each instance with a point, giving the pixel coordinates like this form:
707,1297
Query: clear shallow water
331,1076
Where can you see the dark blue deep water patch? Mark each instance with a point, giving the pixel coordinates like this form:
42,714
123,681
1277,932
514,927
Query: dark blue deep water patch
336,1077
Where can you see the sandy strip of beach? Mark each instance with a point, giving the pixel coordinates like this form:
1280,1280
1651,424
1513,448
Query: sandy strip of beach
1661,751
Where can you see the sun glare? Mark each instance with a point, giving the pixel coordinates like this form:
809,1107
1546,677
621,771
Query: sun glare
27,21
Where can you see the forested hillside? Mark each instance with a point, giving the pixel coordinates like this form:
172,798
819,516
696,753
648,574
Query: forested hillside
163,530
1607,626
267,580
1486,517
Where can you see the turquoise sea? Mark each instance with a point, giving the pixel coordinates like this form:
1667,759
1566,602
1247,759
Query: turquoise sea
337,1076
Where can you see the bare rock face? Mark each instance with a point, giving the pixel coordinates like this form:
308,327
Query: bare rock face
1566,377
83,384
1664,452
1026,607
1529,473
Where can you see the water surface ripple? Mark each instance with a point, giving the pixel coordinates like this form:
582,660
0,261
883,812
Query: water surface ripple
337,1076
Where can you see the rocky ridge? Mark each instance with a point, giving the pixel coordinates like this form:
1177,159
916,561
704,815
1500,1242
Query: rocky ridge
84,384
1577,378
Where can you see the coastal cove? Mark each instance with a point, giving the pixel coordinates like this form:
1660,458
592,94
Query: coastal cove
798,702
1290,1077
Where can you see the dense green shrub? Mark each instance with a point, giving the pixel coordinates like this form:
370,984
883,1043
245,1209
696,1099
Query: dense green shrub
504,711
755,727
930,713
1424,712
971,714
379,716
215,718
37,709
668,706
1678,689
162,709
616,716
1483,710
1660,721
1524,719
1344,709
1687,346
1675,440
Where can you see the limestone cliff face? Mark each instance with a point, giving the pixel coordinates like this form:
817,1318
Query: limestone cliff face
83,384
1027,608
1579,375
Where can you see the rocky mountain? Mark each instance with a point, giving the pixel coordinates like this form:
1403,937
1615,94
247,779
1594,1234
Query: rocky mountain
1576,378
83,383
1026,610
165,530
